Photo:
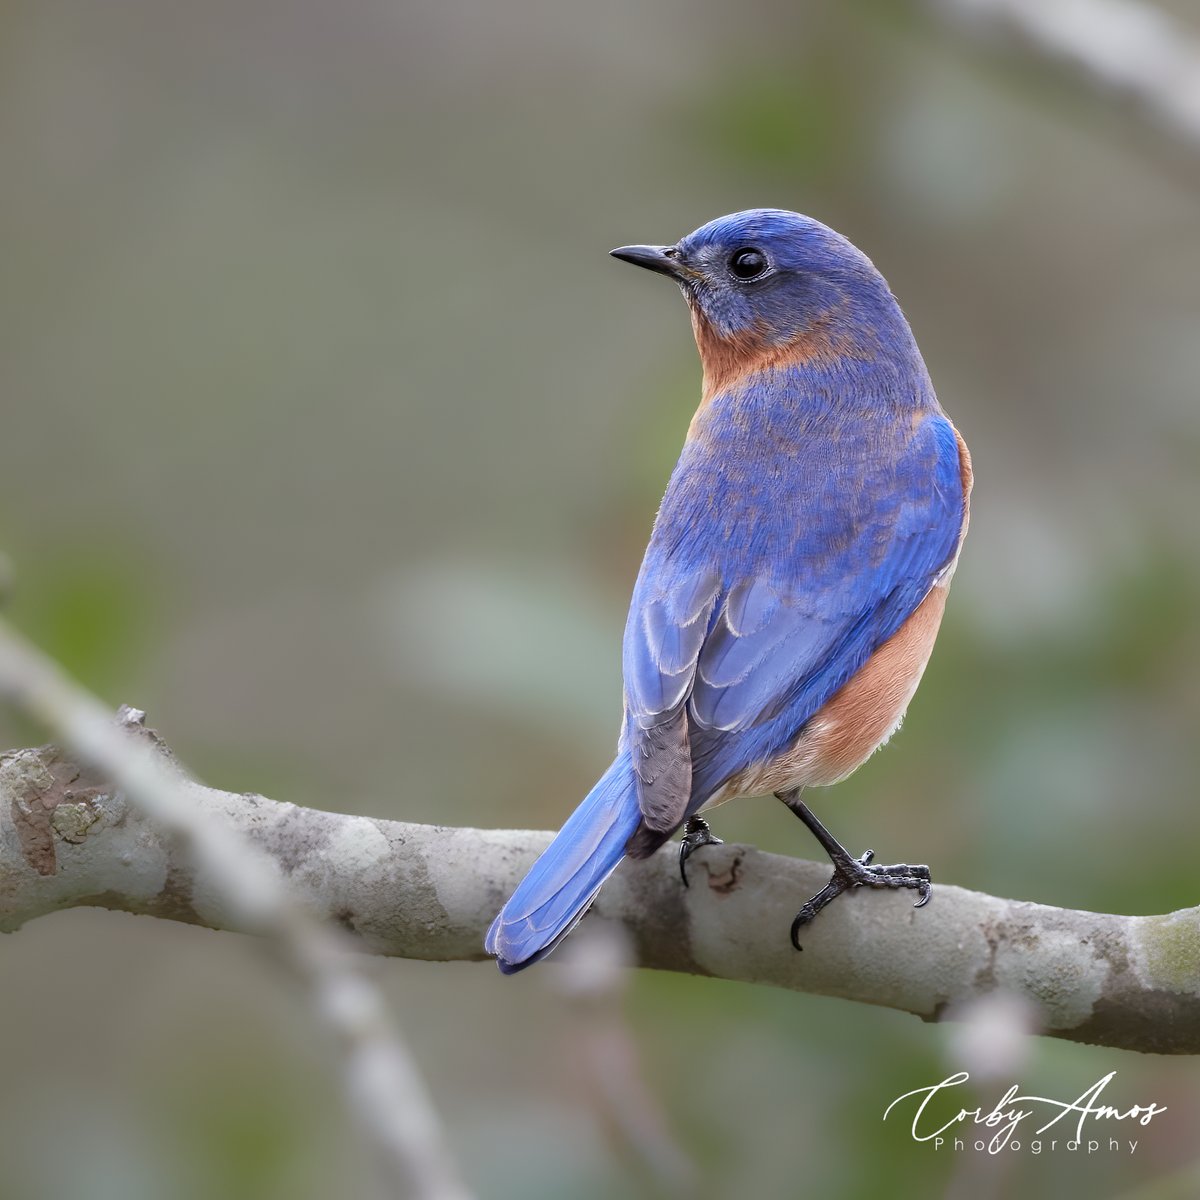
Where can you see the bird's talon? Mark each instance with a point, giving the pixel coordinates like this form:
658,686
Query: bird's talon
695,834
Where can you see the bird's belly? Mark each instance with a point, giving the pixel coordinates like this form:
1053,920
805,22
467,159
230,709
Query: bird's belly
859,718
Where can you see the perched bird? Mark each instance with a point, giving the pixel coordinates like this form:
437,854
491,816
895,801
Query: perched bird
796,574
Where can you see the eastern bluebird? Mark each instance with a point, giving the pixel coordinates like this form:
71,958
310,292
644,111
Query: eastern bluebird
796,574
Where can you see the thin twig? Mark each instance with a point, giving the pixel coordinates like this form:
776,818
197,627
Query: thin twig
388,1098
594,980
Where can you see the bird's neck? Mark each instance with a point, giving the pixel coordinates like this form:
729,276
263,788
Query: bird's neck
727,359
833,348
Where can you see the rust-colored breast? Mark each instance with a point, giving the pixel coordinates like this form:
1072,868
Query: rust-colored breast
968,481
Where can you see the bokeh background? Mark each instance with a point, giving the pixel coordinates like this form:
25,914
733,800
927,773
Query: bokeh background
332,437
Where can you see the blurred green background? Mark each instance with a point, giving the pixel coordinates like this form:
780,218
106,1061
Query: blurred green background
332,438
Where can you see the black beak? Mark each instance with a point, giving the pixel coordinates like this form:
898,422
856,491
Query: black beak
663,259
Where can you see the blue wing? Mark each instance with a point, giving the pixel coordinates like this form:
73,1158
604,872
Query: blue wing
766,587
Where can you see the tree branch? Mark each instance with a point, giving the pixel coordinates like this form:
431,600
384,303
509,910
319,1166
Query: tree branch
1125,46
428,892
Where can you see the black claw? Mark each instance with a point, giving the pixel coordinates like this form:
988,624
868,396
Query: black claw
833,888
695,834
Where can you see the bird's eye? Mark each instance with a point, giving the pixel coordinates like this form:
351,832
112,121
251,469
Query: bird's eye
748,263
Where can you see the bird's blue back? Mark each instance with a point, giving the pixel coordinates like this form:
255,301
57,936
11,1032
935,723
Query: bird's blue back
803,531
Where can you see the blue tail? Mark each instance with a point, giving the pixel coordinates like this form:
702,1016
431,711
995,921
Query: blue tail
565,879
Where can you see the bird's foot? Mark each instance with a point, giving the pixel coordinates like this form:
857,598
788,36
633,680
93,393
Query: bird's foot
850,872
696,833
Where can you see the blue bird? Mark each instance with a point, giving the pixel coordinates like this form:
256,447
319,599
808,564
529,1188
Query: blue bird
796,575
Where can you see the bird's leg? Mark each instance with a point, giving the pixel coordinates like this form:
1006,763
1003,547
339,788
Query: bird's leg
848,871
696,833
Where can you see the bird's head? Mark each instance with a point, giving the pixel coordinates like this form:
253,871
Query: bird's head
768,286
